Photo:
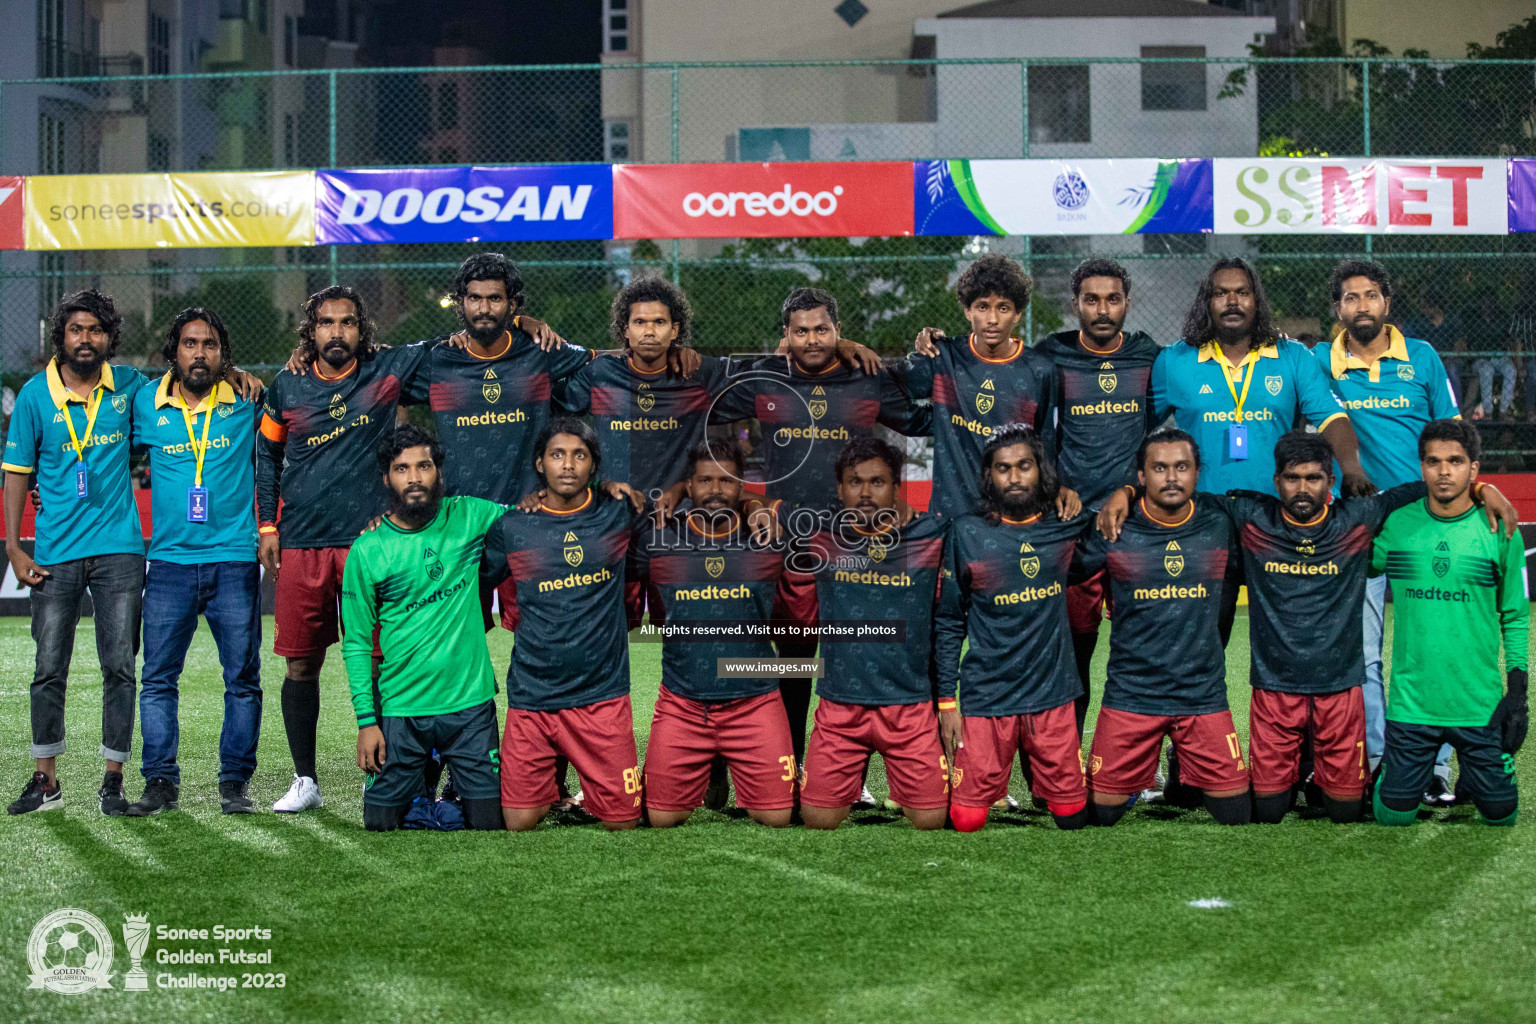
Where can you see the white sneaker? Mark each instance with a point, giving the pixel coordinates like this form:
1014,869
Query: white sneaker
866,801
303,795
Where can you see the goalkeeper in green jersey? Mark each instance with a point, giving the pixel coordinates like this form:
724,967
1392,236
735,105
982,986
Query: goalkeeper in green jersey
1457,590
416,579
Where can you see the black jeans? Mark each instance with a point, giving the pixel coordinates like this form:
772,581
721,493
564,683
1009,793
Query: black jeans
116,584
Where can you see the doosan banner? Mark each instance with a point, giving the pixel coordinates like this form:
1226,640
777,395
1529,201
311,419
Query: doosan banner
1361,196
787,200
464,204
153,211
1059,197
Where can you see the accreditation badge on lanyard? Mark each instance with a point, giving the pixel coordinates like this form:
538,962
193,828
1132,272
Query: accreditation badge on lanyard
197,494
1237,433
92,407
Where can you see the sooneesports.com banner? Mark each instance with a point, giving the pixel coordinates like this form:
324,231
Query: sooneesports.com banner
151,211
1059,197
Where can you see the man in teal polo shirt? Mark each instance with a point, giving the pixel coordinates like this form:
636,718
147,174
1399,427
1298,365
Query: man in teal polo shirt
201,438
71,427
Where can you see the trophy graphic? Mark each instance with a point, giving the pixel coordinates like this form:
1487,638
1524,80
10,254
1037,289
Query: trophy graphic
135,937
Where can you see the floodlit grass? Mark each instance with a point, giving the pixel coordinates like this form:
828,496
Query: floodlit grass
726,921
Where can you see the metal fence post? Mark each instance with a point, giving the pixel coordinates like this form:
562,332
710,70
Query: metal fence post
1029,307
1365,103
1023,107
677,151
335,257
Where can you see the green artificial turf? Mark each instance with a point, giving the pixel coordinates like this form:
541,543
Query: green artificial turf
723,920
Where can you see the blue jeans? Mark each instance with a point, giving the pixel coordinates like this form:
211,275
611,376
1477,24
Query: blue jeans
116,584
1373,691
228,595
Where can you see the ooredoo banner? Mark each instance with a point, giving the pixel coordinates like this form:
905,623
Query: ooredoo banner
12,200
1360,196
780,200
1060,197
464,204
152,211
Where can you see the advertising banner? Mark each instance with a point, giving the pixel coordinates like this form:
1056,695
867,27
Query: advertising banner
1360,196
787,200
1522,195
464,204
152,211
12,199
1062,197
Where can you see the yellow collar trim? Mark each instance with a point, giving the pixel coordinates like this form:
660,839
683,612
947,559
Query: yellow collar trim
61,394
1341,360
165,395
1210,350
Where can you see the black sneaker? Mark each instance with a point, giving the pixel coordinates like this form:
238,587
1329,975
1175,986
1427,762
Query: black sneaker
38,796
1439,793
159,795
718,793
113,803
234,799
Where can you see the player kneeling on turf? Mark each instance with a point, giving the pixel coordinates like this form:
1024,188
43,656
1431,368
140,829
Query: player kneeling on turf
1457,589
1167,669
1004,585
416,577
703,567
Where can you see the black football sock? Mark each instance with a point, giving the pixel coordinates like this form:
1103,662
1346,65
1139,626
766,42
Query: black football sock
1071,822
1230,810
1343,812
301,717
382,819
1270,808
1107,814
483,814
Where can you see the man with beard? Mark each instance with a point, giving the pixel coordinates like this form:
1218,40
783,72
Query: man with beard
202,555
1167,669
859,564
704,569
568,684
1393,387
318,429
1004,586
416,578
89,536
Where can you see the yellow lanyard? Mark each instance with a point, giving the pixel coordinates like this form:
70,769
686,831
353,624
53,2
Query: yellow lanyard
92,407
199,451
1250,361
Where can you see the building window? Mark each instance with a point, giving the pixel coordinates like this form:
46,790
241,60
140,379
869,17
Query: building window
1172,86
159,154
616,142
1058,103
615,26
159,45
448,105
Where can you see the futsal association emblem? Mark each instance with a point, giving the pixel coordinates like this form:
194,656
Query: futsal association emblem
492,392
120,403
645,399
338,407
1107,383
1405,371
1273,385
1306,548
1442,560
985,398
715,565
69,952
818,405
434,565
877,552
1174,564
572,549
1030,566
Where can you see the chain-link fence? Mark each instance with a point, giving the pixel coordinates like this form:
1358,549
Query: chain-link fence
1473,296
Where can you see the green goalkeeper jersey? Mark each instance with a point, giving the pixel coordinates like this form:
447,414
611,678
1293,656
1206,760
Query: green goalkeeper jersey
1457,589
421,588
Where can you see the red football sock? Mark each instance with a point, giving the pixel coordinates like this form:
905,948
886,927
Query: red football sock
968,819
1066,810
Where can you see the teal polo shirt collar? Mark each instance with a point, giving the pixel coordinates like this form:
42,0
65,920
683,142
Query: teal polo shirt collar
168,394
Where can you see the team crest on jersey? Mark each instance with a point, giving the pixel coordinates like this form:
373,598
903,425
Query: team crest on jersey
1405,371
715,565
120,403
1306,548
572,549
645,399
338,407
1030,566
492,392
877,552
225,411
1205,389
434,565
1107,383
1273,384
1441,562
1098,762
985,399
1173,563
818,405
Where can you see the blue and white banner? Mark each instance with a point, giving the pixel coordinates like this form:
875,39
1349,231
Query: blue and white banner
1062,197
464,204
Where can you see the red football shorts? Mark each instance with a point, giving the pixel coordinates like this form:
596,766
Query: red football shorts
1126,745
598,739
905,735
1085,604
308,602
752,734
1279,722
1048,738
506,590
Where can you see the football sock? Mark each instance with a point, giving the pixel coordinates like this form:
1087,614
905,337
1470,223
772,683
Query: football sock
1107,814
1270,808
1069,817
483,814
1231,810
1396,811
1343,812
967,819
301,717
383,819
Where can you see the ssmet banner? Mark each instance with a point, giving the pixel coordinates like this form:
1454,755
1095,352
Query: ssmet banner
1361,196
783,200
464,204
1060,197
152,211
